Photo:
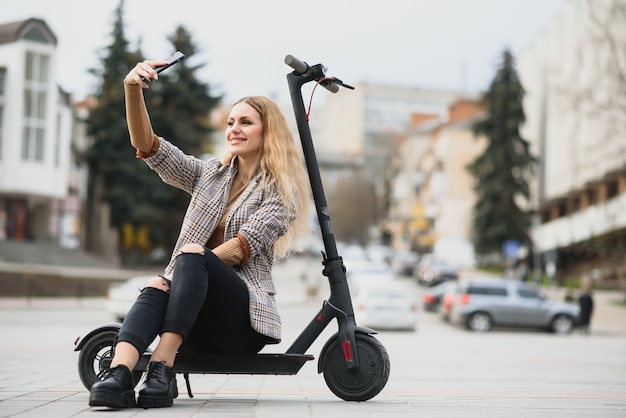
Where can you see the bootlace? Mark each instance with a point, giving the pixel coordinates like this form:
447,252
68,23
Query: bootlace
115,371
157,370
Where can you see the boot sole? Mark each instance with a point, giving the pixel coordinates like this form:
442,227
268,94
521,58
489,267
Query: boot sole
154,402
100,397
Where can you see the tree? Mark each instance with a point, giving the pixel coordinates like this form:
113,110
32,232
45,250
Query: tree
179,105
603,95
142,207
352,208
502,171
110,158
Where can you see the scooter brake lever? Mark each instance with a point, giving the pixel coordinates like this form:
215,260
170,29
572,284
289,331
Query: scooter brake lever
335,80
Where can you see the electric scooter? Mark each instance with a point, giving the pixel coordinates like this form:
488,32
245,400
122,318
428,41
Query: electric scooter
355,364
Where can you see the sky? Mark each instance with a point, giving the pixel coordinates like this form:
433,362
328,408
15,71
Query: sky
440,44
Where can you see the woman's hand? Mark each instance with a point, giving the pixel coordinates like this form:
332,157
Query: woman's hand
143,69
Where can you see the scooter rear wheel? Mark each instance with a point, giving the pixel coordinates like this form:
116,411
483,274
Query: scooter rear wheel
96,355
359,385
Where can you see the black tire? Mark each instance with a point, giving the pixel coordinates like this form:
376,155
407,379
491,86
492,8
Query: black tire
368,381
479,322
95,356
562,324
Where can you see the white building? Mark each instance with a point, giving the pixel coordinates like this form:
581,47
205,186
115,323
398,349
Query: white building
575,80
36,127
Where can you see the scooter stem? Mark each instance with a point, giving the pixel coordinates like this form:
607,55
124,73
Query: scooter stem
339,304
296,81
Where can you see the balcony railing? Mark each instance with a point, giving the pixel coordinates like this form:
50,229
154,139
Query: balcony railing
592,222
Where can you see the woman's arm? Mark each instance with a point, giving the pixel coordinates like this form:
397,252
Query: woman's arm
233,251
265,225
142,136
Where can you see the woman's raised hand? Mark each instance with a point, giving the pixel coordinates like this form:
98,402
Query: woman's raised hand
143,69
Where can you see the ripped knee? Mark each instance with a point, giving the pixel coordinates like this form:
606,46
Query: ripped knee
191,248
159,282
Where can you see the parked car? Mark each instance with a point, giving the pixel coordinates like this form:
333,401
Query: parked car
379,252
481,304
433,296
120,297
391,305
444,310
405,262
362,271
431,272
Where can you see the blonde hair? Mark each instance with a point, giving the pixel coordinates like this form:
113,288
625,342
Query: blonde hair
282,167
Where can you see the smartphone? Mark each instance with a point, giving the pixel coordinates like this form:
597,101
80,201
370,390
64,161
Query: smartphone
171,60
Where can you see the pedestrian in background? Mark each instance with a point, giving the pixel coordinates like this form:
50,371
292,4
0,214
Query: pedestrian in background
523,271
585,301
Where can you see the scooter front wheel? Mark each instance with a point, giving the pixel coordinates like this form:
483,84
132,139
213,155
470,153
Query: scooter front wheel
364,383
96,356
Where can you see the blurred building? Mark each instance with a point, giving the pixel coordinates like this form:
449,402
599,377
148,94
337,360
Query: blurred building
575,81
42,184
433,195
358,124
359,131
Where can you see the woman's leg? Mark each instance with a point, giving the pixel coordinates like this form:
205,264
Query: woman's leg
140,327
208,309
223,324
142,323
187,295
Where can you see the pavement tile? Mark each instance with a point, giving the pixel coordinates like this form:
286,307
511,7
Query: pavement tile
561,378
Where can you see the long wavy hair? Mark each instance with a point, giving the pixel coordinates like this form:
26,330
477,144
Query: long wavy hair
282,167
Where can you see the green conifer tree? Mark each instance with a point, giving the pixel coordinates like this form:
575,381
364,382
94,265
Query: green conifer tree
503,170
115,177
179,106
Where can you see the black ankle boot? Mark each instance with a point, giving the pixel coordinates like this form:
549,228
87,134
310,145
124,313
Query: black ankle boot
115,391
159,388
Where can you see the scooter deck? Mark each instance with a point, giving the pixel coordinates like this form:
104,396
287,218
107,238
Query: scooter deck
276,364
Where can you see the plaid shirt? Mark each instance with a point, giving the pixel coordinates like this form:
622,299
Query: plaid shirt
258,215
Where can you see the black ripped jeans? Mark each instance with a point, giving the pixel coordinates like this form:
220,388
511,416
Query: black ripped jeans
208,305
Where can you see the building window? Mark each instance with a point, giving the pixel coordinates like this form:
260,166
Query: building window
35,100
57,142
3,73
612,189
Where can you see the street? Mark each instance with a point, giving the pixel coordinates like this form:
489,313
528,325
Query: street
437,371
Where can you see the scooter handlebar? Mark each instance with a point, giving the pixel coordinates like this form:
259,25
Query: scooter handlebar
303,68
300,66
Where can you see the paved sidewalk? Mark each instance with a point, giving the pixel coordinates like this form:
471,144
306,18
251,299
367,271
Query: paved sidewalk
434,374
437,371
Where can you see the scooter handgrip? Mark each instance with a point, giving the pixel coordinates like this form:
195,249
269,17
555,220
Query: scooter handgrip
333,88
300,66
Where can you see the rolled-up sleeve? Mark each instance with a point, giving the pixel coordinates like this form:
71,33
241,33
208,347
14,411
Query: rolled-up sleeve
266,225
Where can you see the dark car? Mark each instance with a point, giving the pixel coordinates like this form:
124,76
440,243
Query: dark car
447,301
436,273
481,304
432,296
405,262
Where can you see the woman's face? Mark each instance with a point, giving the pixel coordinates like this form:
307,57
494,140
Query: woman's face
244,131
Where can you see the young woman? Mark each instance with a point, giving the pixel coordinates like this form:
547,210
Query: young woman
216,294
